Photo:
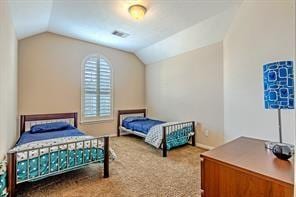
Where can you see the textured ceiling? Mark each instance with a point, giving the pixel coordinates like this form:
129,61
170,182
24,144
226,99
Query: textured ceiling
95,20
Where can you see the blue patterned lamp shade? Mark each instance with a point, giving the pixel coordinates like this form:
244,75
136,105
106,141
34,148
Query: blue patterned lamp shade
279,85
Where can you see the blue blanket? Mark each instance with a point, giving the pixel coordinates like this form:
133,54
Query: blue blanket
32,137
140,124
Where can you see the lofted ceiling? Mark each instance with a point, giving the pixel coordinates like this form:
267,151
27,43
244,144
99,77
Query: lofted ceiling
95,20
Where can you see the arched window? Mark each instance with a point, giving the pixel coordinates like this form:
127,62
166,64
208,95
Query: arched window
97,97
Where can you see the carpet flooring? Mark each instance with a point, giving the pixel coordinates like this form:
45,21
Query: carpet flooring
139,170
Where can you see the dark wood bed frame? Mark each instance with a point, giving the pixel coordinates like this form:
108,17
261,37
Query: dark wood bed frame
144,112
12,157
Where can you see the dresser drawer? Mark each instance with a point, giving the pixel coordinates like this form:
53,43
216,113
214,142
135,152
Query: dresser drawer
222,180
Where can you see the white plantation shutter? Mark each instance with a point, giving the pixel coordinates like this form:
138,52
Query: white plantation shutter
105,89
97,89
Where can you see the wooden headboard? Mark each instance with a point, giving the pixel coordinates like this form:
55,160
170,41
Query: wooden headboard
125,112
44,117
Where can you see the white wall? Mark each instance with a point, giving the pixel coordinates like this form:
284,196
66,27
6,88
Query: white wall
8,80
262,31
189,87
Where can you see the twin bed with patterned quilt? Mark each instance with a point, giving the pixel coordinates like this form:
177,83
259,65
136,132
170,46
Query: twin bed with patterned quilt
51,144
160,134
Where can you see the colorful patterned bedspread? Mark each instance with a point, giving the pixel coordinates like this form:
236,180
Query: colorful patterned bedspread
3,179
175,138
59,157
59,160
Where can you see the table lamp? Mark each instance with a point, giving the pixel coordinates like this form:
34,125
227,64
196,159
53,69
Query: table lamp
278,91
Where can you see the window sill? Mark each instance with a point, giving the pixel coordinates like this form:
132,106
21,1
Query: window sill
96,121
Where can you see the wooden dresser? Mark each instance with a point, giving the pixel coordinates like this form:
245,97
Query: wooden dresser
244,168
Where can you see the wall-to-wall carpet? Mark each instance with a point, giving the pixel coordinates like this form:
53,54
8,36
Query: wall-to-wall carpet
139,170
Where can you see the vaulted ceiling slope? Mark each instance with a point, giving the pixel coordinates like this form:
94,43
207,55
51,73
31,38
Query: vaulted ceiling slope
95,20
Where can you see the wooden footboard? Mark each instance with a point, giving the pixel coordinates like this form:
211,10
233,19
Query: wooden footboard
12,160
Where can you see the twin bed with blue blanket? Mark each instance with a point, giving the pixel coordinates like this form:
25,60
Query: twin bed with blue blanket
51,144
160,134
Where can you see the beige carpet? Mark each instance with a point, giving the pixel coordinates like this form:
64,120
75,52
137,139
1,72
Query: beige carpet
138,171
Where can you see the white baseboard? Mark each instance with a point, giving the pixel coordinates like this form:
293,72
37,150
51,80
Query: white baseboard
203,146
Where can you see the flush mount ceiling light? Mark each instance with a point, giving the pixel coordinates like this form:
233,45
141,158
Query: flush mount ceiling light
137,11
